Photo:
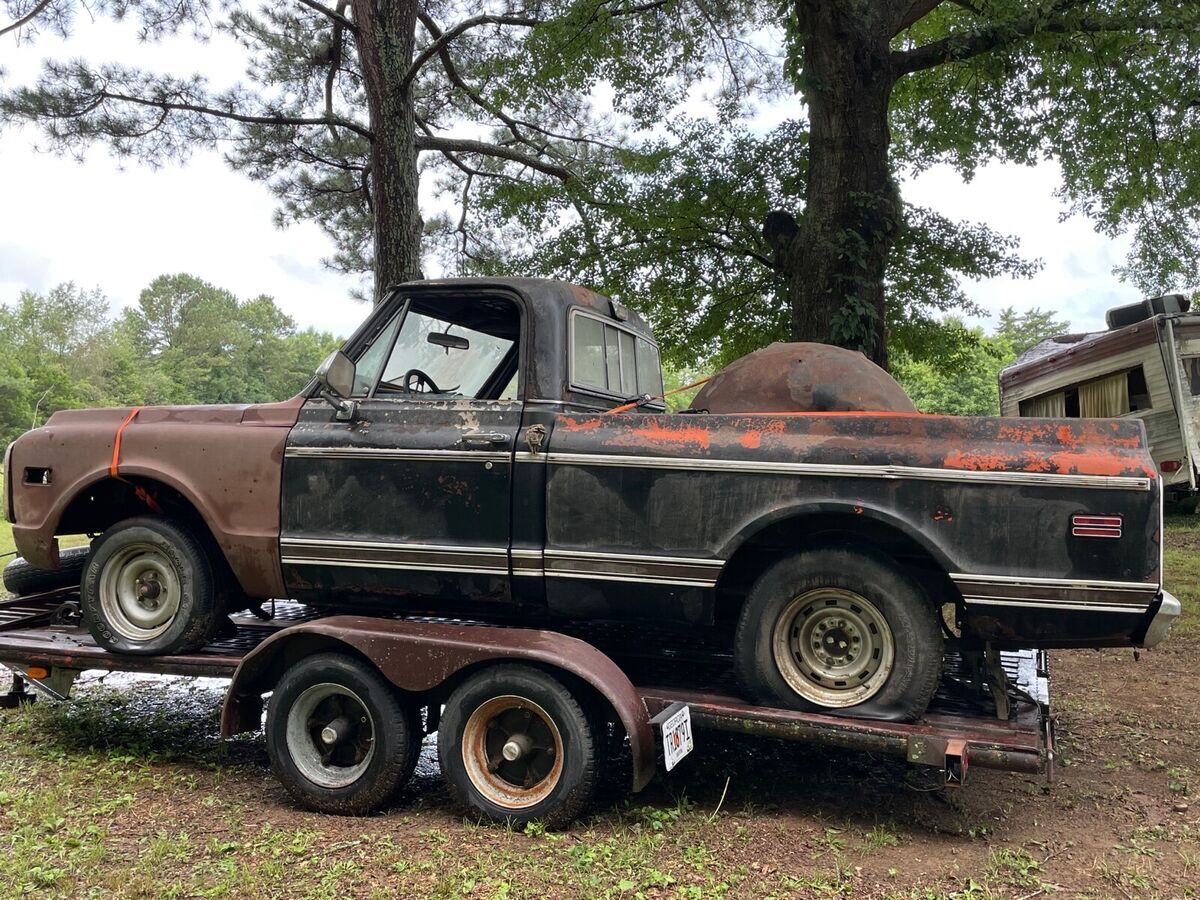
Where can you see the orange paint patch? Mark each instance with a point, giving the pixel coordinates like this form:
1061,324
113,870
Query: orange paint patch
751,440
976,462
1066,436
656,433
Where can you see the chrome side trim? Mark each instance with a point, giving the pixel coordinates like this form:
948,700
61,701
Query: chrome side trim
961,578
386,545
1058,604
385,453
365,564
403,556
1107,482
640,579
631,557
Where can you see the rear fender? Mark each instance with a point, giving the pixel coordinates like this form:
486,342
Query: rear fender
421,657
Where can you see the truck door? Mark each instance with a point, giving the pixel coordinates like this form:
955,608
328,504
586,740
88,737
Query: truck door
409,504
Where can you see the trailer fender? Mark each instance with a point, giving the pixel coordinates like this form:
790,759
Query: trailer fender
419,657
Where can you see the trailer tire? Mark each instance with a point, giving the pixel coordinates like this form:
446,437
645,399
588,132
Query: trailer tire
840,631
149,554
545,770
358,770
22,579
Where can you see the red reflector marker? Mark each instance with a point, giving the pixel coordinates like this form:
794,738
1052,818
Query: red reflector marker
1096,526
1170,465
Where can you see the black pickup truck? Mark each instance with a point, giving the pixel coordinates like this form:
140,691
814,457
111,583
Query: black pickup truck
497,450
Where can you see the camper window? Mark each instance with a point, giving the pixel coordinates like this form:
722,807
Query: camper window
1101,398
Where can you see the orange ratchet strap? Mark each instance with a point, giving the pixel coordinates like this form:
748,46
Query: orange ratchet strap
662,396
112,469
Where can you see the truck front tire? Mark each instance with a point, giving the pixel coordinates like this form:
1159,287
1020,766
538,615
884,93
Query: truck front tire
150,588
839,631
340,738
516,746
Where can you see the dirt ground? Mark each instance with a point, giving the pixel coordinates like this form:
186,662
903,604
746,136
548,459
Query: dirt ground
127,793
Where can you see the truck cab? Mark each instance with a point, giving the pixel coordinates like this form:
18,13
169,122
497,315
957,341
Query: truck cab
454,387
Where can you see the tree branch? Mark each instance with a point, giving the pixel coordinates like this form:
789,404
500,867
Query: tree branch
483,148
443,38
966,45
169,106
335,15
25,19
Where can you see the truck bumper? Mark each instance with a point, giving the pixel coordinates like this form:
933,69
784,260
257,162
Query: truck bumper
1160,625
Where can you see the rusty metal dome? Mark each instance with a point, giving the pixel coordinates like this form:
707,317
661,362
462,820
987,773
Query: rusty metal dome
802,377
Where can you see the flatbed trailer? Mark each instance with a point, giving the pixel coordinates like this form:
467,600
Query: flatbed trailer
642,677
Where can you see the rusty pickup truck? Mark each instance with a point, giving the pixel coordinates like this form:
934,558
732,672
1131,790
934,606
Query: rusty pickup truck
498,451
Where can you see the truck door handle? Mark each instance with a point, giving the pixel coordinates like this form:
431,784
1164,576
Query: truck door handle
483,438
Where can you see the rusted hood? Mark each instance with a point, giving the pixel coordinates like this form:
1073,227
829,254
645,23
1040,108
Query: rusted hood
281,414
802,377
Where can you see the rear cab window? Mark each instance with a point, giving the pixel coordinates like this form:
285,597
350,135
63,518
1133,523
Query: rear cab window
611,359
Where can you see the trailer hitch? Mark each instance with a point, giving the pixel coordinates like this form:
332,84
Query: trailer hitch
948,755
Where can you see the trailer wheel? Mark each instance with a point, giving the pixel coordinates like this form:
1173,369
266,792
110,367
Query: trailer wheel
22,579
516,746
339,737
843,630
150,587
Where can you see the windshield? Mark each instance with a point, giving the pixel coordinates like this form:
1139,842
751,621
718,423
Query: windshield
449,370
441,348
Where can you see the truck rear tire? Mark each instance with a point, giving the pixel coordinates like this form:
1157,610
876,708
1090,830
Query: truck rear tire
516,746
22,579
340,738
839,631
151,588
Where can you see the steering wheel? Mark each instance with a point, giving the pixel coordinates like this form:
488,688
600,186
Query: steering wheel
417,382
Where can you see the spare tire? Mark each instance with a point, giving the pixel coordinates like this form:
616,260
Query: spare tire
22,579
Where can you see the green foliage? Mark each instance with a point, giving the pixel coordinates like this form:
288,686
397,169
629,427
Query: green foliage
1107,88
965,381
1025,330
676,232
185,341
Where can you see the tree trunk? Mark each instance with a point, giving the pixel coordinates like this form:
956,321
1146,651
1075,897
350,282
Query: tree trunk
385,39
834,267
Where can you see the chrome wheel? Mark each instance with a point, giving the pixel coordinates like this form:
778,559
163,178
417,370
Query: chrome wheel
833,647
330,735
513,752
140,592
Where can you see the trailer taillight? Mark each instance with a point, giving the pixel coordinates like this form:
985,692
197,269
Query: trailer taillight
1096,526
1170,465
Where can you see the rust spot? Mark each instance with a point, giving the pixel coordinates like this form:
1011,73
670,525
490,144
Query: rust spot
943,514
858,510
452,485
569,424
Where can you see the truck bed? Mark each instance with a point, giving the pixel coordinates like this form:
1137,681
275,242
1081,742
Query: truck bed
665,669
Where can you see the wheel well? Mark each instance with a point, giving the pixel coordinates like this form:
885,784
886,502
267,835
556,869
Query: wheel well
848,530
103,504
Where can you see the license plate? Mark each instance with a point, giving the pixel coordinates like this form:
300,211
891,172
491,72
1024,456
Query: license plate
677,737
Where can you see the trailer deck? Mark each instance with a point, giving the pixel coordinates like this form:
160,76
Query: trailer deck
40,635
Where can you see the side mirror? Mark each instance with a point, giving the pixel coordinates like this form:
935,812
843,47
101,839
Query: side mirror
336,377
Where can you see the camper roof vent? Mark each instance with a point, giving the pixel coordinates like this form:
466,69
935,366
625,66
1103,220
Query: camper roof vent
1168,304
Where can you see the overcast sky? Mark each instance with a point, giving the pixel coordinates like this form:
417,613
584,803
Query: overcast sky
113,226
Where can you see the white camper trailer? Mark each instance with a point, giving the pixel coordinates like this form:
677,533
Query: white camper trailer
1147,364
